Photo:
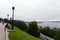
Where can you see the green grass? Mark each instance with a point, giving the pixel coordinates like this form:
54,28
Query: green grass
21,35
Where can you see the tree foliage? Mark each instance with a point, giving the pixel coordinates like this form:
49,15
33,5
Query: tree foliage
33,29
57,36
6,20
1,19
48,31
20,24
45,30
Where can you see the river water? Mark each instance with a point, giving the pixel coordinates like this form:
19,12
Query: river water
50,24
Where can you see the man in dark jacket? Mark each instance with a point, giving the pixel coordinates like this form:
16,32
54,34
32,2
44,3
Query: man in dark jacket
6,26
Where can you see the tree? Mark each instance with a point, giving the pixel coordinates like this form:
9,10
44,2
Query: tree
1,19
20,24
33,29
57,36
6,20
52,33
45,30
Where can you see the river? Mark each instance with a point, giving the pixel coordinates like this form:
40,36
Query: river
51,24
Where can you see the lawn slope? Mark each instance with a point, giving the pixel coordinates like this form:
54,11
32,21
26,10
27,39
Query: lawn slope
21,35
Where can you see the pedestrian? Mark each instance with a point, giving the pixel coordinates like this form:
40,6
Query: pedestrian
6,26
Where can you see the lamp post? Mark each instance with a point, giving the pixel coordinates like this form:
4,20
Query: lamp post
13,17
7,18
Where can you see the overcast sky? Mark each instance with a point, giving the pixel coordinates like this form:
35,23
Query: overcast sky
29,10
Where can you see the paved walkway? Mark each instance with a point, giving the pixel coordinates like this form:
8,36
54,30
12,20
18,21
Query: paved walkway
44,37
3,33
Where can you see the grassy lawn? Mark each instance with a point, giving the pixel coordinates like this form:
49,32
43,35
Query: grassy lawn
21,35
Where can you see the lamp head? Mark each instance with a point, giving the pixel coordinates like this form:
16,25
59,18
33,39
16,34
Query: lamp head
13,8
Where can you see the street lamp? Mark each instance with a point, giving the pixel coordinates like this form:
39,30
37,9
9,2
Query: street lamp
7,18
13,17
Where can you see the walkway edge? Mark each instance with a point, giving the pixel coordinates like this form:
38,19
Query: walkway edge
7,33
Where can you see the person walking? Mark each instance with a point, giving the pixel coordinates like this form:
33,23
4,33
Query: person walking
6,26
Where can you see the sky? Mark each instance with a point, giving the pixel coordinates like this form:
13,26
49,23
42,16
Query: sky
31,10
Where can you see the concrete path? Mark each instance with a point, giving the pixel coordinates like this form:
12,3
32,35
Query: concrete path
3,33
44,37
